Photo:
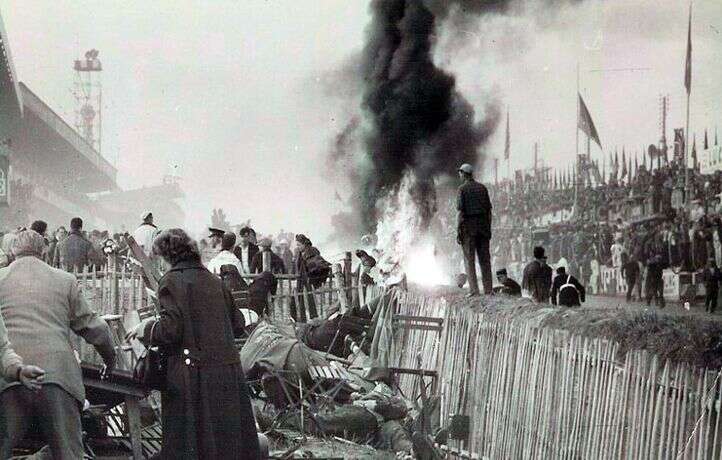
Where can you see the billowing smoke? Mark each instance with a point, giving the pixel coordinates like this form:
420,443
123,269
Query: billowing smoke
415,122
415,128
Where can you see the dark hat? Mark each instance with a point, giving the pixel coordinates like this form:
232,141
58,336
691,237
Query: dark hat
366,259
303,239
538,252
217,232
39,226
228,241
501,272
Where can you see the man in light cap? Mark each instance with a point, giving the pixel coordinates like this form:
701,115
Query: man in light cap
285,253
146,233
474,228
277,264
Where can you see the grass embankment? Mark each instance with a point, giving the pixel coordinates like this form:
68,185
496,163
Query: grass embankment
680,336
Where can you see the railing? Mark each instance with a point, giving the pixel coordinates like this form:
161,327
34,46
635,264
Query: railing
118,293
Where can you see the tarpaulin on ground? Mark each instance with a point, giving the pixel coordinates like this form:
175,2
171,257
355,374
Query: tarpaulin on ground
270,346
383,346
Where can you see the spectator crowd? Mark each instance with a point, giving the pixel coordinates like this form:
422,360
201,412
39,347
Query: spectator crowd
646,218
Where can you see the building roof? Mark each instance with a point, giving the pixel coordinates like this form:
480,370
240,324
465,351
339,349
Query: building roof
64,134
9,91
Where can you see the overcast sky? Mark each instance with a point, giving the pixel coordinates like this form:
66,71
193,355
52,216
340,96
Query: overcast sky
234,95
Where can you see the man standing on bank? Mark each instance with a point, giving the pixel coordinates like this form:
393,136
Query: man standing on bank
474,228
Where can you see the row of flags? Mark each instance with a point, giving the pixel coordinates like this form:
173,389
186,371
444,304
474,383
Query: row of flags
586,124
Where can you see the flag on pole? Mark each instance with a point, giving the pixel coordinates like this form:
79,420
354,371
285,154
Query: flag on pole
706,142
688,63
694,151
616,164
586,124
644,158
507,144
629,176
624,165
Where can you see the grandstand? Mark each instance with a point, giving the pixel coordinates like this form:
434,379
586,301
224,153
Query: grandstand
55,173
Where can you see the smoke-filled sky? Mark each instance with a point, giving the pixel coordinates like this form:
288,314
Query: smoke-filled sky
244,99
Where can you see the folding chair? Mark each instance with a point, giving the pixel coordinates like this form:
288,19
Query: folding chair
333,379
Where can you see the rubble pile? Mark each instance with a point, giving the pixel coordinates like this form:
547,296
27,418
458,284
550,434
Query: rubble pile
330,379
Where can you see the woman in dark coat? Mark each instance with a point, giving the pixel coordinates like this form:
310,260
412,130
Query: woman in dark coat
206,407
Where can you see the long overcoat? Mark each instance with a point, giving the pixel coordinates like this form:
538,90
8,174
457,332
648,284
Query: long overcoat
206,408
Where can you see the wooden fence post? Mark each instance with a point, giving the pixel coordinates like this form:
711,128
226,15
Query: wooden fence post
338,276
348,276
114,283
266,254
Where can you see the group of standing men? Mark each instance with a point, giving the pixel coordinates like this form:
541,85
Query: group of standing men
474,219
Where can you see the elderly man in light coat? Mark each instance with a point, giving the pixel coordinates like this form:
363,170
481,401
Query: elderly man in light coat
42,309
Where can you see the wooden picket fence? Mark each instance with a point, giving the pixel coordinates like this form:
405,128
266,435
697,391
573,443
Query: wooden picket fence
531,392
112,291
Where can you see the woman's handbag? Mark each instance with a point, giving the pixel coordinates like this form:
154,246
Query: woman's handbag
151,369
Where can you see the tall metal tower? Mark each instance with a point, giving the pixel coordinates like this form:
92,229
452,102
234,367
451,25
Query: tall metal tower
88,93
663,103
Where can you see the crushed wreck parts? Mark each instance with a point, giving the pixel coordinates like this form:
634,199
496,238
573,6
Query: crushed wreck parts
334,377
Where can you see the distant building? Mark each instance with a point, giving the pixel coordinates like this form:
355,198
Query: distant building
56,174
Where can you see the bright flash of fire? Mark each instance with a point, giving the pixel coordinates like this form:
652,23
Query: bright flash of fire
403,244
423,268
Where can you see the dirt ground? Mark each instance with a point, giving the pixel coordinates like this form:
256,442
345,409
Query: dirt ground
330,449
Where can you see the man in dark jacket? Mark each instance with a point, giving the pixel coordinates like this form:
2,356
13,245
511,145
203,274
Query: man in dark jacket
246,249
567,291
474,229
508,285
655,256
630,272
712,277
538,277
75,250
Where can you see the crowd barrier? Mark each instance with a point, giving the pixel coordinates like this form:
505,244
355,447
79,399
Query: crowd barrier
529,392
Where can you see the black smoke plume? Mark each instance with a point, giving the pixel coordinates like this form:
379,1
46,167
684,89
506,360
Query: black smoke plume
415,121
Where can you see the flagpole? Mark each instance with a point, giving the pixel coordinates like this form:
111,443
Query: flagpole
686,131
576,152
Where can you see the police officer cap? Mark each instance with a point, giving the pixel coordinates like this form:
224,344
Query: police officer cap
215,232
466,168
